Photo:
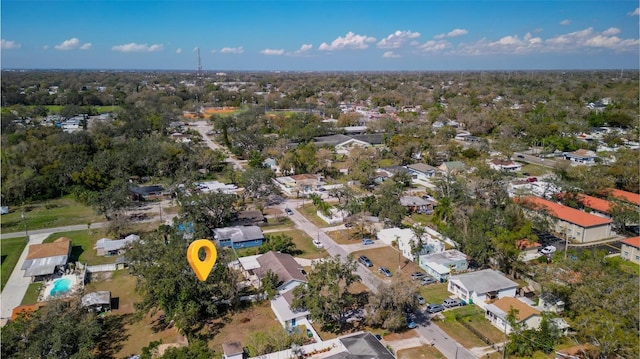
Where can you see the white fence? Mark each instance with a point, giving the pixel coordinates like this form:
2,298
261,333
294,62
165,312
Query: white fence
102,268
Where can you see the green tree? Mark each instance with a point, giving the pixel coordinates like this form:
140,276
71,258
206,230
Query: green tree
207,211
387,308
167,282
326,295
278,243
61,329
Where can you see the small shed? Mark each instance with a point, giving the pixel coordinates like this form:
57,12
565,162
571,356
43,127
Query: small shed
99,301
232,350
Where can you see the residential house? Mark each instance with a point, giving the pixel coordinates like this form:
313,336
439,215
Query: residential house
452,167
290,273
232,350
302,184
289,316
239,236
422,171
45,259
481,287
576,225
549,302
145,193
526,316
631,249
504,165
440,265
528,250
341,144
417,204
216,187
249,218
98,302
581,156
405,239
109,247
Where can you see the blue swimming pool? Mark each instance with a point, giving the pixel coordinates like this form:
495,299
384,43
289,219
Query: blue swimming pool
60,286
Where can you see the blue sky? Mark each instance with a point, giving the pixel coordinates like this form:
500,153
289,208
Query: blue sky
321,35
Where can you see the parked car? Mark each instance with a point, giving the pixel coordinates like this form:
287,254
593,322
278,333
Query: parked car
451,303
532,179
385,271
417,275
410,323
317,243
289,211
428,280
365,261
367,241
548,250
420,299
434,308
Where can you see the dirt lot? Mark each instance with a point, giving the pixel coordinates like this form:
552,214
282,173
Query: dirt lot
388,257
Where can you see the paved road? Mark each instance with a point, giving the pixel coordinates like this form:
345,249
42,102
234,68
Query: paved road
429,332
203,127
17,284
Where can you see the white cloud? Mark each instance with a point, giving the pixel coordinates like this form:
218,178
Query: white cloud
303,50
397,39
73,44
133,47
232,50
390,55
350,41
635,12
611,31
565,22
434,46
272,52
8,45
577,41
452,33
178,51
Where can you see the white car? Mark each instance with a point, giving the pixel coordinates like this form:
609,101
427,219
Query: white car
548,250
317,243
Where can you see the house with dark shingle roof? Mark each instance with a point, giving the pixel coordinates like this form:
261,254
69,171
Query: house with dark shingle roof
579,226
290,273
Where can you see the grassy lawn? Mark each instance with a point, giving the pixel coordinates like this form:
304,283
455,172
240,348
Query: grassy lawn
53,213
82,246
435,293
420,218
241,325
463,335
277,223
309,212
127,333
533,170
388,257
344,236
32,294
423,352
304,243
10,250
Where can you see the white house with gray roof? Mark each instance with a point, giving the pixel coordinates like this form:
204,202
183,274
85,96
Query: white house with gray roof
440,265
482,287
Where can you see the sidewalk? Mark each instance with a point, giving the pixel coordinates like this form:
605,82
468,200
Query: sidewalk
17,284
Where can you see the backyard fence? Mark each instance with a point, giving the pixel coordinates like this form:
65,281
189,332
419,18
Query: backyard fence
101,268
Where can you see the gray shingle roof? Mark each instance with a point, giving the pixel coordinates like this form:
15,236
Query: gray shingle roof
484,281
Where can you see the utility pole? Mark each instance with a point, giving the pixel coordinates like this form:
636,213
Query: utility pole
24,220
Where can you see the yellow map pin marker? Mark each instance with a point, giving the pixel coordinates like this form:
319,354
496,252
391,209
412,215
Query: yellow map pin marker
202,268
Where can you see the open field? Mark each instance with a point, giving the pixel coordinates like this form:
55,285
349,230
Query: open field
423,352
390,258
435,293
474,316
344,236
127,333
10,250
303,243
53,213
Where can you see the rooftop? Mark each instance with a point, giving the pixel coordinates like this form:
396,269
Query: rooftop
484,281
505,304
564,213
633,241
59,247
630,197
281,264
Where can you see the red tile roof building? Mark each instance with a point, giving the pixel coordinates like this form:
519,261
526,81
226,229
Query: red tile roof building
629,197
631,249
576,225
